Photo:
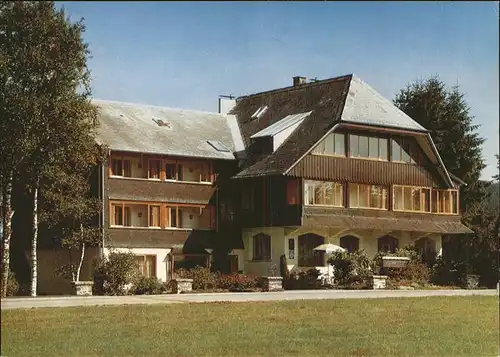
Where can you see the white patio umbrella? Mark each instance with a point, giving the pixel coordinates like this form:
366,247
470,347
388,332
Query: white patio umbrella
329,248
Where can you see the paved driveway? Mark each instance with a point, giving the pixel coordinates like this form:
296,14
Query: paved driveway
65,301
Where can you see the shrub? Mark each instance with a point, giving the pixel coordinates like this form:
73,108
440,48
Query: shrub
203,278
113,274
302,280
148,286
450,273
284,272
12,285
414,274
407,252
351,269
237,282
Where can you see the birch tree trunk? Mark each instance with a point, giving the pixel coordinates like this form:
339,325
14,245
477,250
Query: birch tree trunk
7,214
81,263
34,262
81,256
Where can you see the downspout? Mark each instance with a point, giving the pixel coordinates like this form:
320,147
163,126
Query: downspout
102,208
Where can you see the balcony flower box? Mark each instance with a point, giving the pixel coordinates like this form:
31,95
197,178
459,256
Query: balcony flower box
394,262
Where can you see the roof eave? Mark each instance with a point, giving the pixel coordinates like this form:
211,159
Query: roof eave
419,131
440,161
176,155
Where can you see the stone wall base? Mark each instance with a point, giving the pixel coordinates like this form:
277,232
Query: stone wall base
82,288
378,282
182,285
272,283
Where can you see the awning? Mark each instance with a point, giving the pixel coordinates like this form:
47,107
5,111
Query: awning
378,223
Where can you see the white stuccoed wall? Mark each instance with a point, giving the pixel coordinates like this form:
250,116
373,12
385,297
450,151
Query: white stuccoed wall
279,245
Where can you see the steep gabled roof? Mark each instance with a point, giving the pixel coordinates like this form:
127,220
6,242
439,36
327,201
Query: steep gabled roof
332,102
324,99
165,131
364,105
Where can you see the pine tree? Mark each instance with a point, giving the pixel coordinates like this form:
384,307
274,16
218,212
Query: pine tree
446,114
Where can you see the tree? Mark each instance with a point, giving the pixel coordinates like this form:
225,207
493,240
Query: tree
445,113
70,207
45,102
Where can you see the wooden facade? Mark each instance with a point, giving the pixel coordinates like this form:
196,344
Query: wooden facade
201,196
345,169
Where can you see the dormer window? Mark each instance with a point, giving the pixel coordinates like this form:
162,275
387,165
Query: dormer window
260,112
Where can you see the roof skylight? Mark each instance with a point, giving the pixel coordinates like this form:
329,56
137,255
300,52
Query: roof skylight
260,112
217,145
160,122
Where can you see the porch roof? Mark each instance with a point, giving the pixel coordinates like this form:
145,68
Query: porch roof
379,223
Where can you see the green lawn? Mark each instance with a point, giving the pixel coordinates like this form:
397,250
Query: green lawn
433,326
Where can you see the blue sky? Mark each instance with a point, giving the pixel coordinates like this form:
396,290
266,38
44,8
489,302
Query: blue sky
184,54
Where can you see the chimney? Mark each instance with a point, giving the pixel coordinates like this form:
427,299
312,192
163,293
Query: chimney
226,103
297,81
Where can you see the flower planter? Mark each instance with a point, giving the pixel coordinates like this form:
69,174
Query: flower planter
82,288
394,262
378,282
182,285
272,283
472,281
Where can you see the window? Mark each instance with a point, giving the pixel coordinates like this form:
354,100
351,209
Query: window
308,257
146,265
292,193
154,169
206,173
291,248
117,212
247,201
154,216
117,169
426,249
333,144
261,247
174,217
120,215
367,196
121,167
404,149
445,201
171,171
413,199
350,243
387,244
324,193
179,172
368,147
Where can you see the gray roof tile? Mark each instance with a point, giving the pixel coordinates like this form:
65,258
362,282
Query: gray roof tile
134,128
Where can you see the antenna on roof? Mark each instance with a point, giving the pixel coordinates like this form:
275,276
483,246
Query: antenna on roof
230,96
315,79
